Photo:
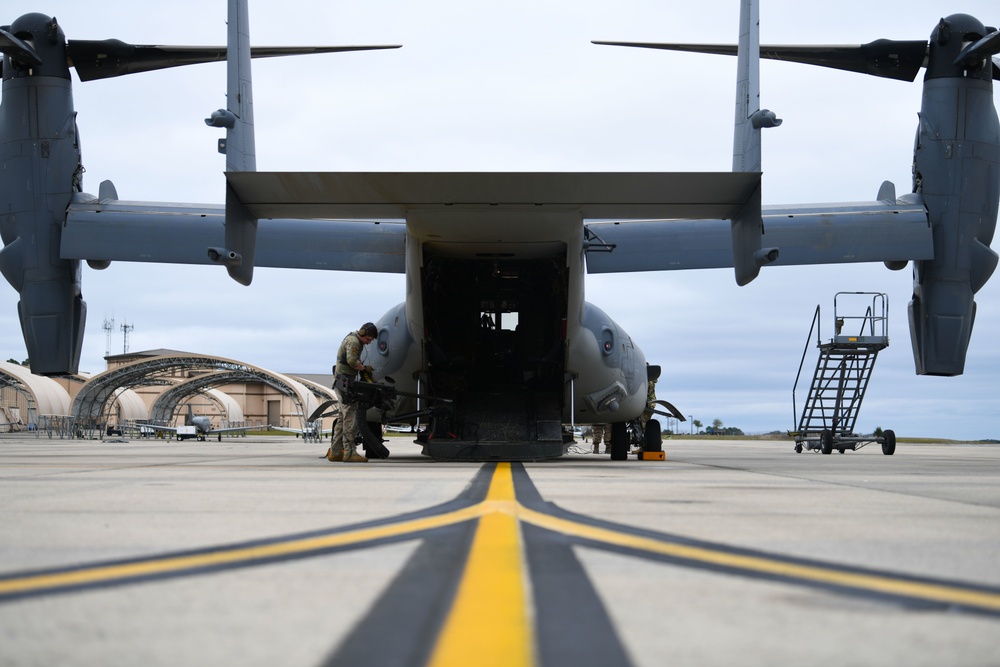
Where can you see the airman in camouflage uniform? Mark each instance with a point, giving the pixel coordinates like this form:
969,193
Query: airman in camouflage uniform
343,447
601,432
650,402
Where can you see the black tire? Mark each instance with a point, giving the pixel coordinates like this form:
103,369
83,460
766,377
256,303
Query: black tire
619,441
826,442
889,443
798,448
652,438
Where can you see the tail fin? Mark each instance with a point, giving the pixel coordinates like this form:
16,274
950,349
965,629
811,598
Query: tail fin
747,227
239,146
241,151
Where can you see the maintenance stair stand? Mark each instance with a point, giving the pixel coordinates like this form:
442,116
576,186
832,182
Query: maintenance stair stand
841,379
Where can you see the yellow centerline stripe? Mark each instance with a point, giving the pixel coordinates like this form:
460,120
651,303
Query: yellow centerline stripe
489,622
496,557
157,566
763,565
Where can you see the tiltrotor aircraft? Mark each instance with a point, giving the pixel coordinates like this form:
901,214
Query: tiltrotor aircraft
495,318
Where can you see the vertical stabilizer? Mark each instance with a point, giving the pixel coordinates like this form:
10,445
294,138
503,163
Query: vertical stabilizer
239,146
241,153
747,227
746,141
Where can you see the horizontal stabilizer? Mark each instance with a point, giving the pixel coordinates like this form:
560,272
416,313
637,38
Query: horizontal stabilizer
391,195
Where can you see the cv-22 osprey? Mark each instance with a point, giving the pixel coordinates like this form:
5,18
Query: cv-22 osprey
495,320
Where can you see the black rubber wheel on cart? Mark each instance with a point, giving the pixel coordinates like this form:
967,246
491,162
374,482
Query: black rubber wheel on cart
889,443
826,442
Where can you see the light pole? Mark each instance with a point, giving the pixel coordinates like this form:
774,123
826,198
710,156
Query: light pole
691,421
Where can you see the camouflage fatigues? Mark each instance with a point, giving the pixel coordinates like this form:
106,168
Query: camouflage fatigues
349,355
345,430
650,403
347,421
601,432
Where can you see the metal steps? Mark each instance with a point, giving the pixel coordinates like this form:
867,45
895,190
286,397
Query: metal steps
841,376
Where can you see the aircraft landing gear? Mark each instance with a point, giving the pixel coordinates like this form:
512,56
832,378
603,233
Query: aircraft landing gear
619,441
647,443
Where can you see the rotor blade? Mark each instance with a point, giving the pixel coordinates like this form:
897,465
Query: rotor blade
18,50
973,54
102,59
891,59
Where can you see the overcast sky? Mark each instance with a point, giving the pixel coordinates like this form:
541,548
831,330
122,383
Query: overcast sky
517,86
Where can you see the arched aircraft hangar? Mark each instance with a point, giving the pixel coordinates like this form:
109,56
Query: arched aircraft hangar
37,394
189,374
166,404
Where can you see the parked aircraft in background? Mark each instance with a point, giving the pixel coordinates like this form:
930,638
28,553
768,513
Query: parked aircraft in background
198,426
313,429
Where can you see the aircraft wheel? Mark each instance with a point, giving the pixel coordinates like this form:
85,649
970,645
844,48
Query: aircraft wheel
889,443
652,438
798,448
619,441
826,442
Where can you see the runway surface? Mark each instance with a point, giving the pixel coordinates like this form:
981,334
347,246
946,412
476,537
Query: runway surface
255,551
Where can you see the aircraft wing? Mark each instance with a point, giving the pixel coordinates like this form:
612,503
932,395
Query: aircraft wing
234,429
300,431
355,221
156,427
880,231
103,230
213,431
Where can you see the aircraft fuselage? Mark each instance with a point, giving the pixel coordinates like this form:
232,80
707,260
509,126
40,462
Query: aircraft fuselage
495,321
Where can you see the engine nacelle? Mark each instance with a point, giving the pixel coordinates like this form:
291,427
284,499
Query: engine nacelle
956,171
39,145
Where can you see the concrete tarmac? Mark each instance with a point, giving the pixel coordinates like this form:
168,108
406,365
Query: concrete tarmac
255,551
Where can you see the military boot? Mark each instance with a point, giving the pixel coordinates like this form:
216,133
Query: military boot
351,456
335,454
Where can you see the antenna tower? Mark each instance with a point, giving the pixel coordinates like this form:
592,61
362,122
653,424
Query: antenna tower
109,327
126,327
